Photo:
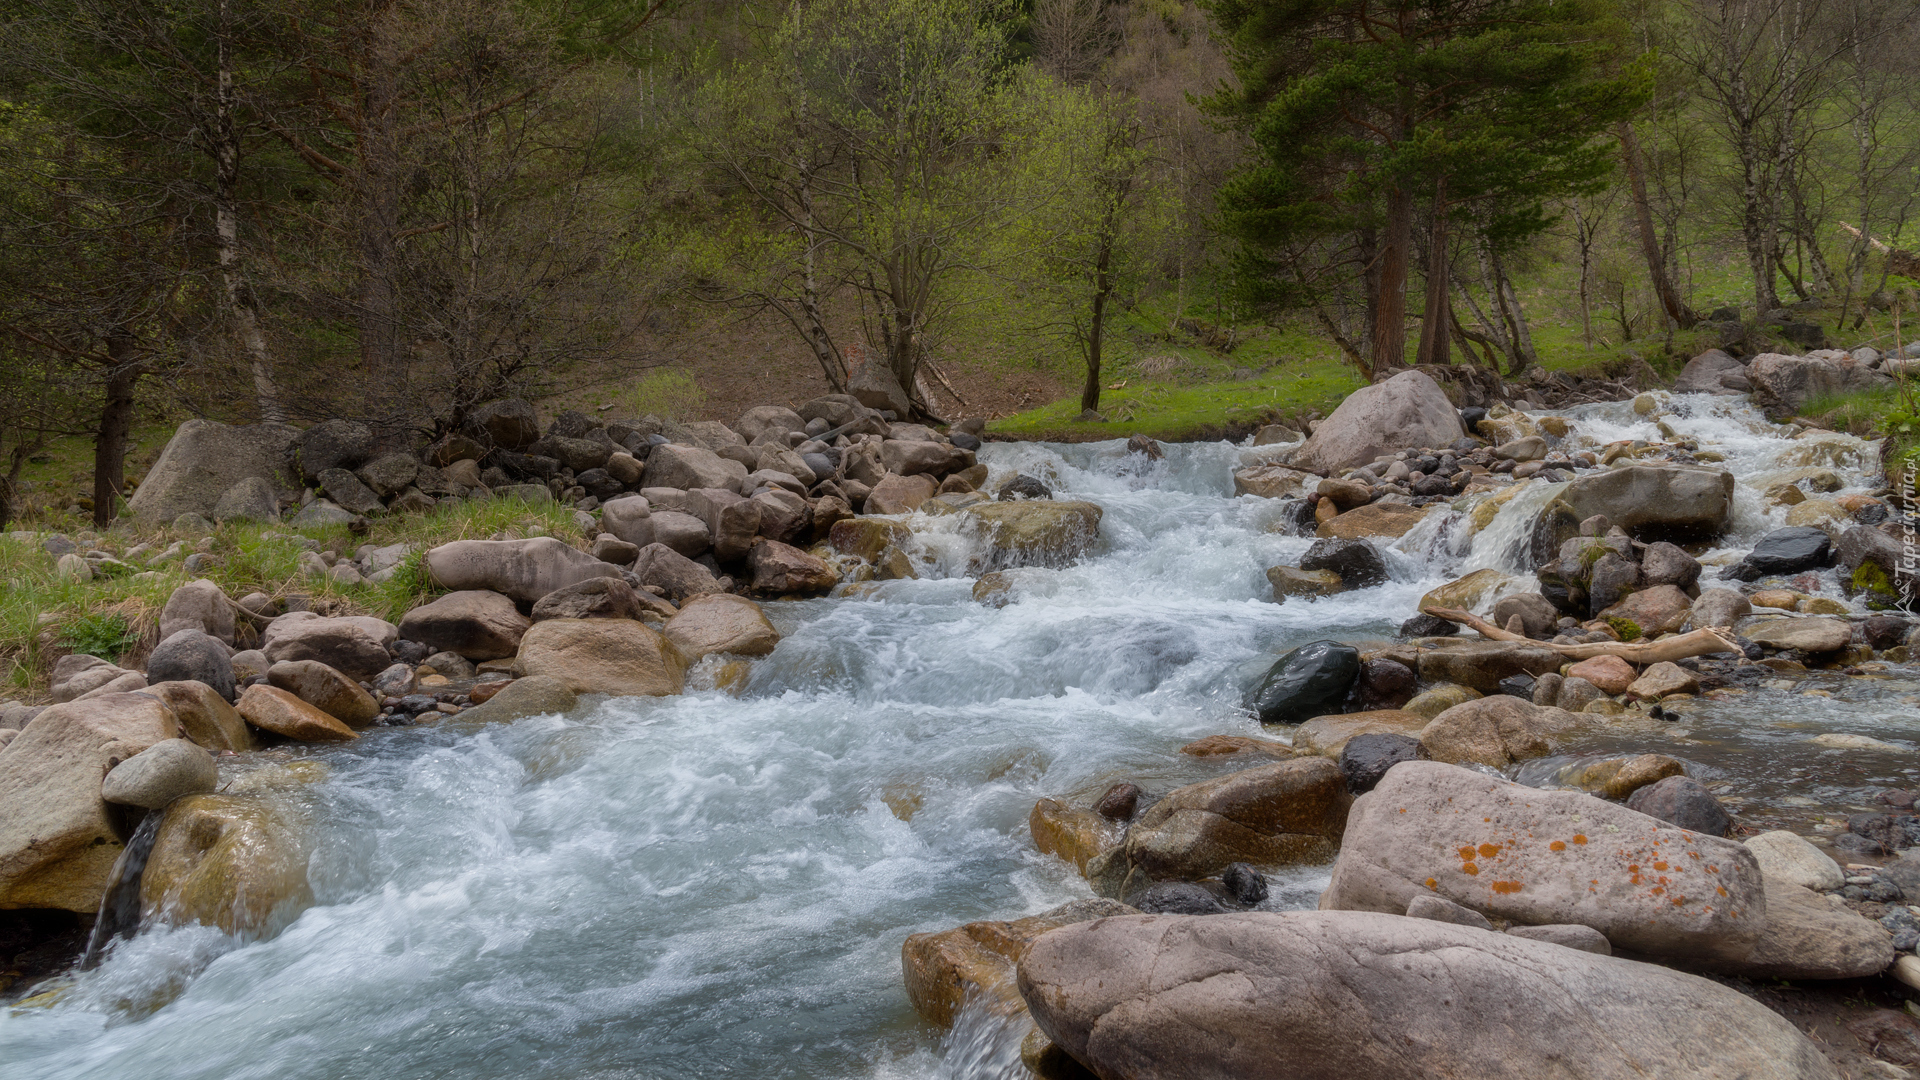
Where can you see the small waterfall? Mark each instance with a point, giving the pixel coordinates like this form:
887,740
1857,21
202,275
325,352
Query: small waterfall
984,1043
1504,543
120,908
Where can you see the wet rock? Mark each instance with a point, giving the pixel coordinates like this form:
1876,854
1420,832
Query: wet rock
1654,611
721,623
1609,674
1358,563
1617,778
1385,520
1784,551
1537,615
231,861
1306,996
1382,684
479,624
1328,735
1718,608
1286,812
1496,731
1312,680
944,971
1482,664
531,695
1806,635
1789,859
1655,502
1428,626
206,717
1052,534
1408,409
1366,757
1119,802
1023,486
1176,898
1071,833
1545,857
1272,482
1684,802
604,656
1466,593
270,708
1433,702
1293,581
1663,680
1546,689
783,570
523,570
1244,884
160,774
1216,745
325,689
1520,686
193,656
203,461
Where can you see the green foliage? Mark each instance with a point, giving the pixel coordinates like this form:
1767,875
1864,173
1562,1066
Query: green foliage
1626,628
668,393
105,634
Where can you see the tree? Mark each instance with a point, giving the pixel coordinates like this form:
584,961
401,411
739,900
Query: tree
1362,109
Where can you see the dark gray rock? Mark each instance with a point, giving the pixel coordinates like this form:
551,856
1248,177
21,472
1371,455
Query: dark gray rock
509,424
1024,487
1382,684
1244,883
1784,551
1119,802
576,454
1359,564
1365,759
1312,680
1537,614
331,444
1612,578
192,656
1667,564
600,484
1177,898
347,492
1424,625
526,466
1683,801
964,441
594,598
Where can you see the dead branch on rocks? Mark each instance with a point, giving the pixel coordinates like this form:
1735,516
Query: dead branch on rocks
1700,642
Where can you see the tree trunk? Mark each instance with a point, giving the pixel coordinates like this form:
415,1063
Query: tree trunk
1096,330
116,424
1390,311
1677,310
1434,324
243,320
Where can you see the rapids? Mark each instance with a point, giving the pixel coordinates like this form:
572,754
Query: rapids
713,885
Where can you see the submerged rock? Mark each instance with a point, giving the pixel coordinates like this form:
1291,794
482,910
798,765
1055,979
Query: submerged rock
232,861
1312,680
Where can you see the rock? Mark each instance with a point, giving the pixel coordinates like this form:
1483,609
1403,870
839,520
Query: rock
395,682
1718,608
1431,703
71,567
1785,383
1382,684
1440,909
1359,564
1408,409
192,656
1666,564
784,516
1293,581
1287,812
160,774
1713,372
1786,858
1177,898
1806,635
867,538
1495,731
1892,1036
604,656
1663,680
1118,802
611,549
251,499
684,533
1345,494
1655,611
270,708
58,839
476,623
1784,551
1876,563
872,384
916,458
1367,756
1271,482
1373,520
203,461
1612,578
125,684
679,576
1807,938
1537,616
1072,834
1610,674
1655,502
721,623
1617,778
1466,593
896,494
1685,802
320,514
782,570
1023,486
1215,745
354,644
348,493
206,716
1328,735
452,448
1244,883
1531,448
689,467
533,695
1312,680
232,861
1543,857
975,962
1047,533
768,419
594,598
77,673
325,689
1307,995
580,455
1482,664
524,570
509,423
389,474
1569,936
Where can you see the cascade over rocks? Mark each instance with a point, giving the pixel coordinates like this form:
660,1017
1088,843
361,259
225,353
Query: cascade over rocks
236,862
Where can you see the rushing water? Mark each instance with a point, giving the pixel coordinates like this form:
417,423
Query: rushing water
713,885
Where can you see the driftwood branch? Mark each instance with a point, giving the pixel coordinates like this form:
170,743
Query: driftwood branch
1700,642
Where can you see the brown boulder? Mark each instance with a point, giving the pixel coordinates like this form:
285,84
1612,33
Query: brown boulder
325,689
721,623
896,494
946,970
232,861
1328,735
479,624
1610,674
604,656
783,570
1072,833
205,716
270,708
1496,731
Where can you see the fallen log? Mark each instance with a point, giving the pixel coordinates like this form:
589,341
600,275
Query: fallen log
1702,642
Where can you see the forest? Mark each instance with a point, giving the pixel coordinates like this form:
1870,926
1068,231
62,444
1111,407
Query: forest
396,210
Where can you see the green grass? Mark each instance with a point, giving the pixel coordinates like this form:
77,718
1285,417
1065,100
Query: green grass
1174,411
42,615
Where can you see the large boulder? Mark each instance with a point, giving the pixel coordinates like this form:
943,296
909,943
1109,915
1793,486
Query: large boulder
1655,502
524,570
270,708
1482,664
1877,564
1407,410
1806,635
206,717
689,467
873,384
251,499
237,862
1713,372
1539,858
203,461
1291,811
1808,938
1496,731
479,624
596,598
192,656
160,774
912,458
1273,482
1386,520
721,623
355,644
1312,680
604,656
1359,564
509,424
1035,532
325,689
198,605
1330,995
1785,383
1784,551
58,838
896,494
784,570
328,445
